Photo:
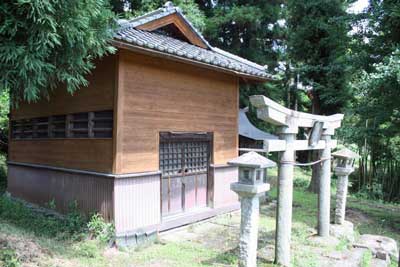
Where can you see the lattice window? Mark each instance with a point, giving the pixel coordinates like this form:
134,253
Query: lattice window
17,128
184,156
196,156
102,123
97,124
58,126
41,128
79,125
171,158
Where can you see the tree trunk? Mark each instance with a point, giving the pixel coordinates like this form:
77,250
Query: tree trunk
315,154
314,183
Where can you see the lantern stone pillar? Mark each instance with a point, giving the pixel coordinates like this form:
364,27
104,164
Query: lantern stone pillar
250,188
285,197
324,194
344,162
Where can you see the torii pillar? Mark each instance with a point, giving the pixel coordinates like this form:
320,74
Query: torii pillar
324,193
289,122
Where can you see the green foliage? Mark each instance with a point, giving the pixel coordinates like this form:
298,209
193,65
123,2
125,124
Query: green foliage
8,258
302,176
44,43
301,183
343,244
246,28
227,258
366,259
75,222
384,218
317,43
100,229
87,249
40,224
373,119
3,174
51,204
4,111
249,29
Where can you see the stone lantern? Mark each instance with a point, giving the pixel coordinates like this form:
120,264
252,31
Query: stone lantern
343,165
250,188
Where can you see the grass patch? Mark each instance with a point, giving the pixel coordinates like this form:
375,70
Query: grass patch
384,219
40,236
366,259
343,244
8,258
21,216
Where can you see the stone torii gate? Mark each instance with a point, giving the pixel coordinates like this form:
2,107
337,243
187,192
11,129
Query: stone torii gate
289,122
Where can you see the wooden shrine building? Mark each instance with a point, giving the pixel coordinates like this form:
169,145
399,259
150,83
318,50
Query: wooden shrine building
147,143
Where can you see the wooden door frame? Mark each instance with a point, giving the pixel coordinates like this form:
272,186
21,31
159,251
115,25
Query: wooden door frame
191,136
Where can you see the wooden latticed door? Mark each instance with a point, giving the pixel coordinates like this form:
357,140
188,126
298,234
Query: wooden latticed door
184,163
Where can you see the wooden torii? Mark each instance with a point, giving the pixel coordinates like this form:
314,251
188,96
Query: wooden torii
289,122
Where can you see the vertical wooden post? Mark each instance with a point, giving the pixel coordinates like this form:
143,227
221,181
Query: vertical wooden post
324,194
285,198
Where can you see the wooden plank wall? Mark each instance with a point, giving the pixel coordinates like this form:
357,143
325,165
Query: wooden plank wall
86,154
156,95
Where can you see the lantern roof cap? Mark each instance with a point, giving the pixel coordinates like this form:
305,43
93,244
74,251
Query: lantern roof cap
253,160
345,153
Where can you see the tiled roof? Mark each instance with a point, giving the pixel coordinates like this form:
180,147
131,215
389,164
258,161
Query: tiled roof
166,10
161,43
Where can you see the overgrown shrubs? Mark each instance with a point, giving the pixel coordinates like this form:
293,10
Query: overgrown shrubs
301,183
41,224
73,226
8,258
100,229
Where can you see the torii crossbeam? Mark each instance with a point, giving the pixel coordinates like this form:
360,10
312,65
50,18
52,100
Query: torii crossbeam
289,122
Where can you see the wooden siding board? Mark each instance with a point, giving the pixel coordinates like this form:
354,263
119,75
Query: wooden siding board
160,95
85,154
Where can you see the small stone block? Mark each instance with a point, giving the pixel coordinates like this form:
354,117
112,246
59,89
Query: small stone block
380,254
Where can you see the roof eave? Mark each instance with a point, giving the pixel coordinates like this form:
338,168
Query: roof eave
246,77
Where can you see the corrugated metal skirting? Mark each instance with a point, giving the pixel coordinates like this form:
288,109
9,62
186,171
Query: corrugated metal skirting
137,203
223,177
40,186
